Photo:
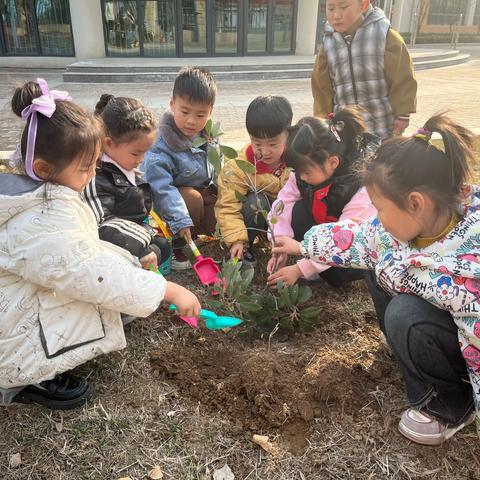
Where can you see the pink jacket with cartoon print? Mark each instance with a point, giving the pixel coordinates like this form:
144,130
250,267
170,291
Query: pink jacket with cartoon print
446,274
359,207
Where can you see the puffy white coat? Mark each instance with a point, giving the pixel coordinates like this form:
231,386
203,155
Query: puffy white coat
61,288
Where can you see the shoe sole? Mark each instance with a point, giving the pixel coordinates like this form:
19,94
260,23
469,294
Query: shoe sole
53,404
433,440
181,268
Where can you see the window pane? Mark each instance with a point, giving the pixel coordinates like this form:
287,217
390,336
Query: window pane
194,26
226,26
257,26
283,25
53,17
121,28
159,30
17,20
447,12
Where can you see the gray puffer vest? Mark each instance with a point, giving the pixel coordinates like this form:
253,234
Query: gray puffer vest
356,65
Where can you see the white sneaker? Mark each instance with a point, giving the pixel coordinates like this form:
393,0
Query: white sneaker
180,261
419,427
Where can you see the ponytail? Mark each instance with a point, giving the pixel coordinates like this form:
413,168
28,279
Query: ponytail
406,164
312,139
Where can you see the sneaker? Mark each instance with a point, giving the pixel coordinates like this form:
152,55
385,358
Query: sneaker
249,258
180,261
419,427
64,392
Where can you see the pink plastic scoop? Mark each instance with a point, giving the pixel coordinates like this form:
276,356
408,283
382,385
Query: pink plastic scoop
206,269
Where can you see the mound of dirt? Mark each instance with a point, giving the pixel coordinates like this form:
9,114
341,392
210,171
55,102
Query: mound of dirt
277,392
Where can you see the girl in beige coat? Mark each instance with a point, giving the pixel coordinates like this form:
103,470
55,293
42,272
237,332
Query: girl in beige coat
62,289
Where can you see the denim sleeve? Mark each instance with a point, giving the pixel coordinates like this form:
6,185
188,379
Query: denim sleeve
168,202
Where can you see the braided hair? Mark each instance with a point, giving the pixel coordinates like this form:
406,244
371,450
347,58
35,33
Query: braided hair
125,119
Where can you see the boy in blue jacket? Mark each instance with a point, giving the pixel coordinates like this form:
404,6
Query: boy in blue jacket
180,175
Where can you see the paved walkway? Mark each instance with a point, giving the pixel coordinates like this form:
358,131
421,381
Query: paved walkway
455,89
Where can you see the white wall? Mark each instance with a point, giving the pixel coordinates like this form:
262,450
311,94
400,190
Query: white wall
87,29
306,27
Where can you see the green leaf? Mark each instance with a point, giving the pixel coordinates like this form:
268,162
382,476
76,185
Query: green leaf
208,127
304,294
248,275
249,306
229,152
293,294
199,141
240,197
215,130
246,167
310,312
214,158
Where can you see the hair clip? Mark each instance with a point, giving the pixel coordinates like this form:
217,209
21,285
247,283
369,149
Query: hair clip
330,116
423,134
335,133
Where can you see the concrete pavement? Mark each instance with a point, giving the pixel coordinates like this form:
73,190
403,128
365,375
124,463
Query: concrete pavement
455,89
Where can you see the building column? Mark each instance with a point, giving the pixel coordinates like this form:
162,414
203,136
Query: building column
469,16
402,12
87,29
307,15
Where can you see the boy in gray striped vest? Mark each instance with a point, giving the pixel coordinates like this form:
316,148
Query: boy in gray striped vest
364,62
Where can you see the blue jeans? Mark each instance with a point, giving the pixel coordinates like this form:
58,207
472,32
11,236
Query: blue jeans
424,341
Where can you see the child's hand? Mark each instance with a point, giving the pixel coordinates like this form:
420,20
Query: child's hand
150,262
186,234
186,302
286,245
236,250
288,275
276,262
400,125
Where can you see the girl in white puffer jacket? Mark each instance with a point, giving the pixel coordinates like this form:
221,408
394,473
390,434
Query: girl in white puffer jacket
62,289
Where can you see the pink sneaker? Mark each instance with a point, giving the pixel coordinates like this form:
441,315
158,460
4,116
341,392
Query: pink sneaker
419,427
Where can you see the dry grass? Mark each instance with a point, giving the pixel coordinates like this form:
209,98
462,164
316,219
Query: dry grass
137,420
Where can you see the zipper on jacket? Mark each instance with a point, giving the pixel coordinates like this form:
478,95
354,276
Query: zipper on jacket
350,62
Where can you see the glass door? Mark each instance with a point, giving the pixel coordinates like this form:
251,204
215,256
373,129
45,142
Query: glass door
283,25
194,27
158,28
226,26
257,19
121,28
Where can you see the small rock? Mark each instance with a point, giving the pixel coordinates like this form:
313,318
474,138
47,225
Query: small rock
15,460
155,473
224,473
262,441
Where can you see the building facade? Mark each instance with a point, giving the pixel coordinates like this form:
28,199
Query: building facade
57,32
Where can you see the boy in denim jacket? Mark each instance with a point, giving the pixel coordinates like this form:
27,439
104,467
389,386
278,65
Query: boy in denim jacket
180,175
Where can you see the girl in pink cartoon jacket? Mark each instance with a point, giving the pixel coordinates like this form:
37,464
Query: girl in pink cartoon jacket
324,187
424,249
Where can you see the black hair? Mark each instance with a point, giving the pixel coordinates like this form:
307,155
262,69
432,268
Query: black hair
268,116
195,84
125,119
69,133
403,165
314,140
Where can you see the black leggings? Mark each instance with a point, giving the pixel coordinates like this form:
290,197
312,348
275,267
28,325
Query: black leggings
302,222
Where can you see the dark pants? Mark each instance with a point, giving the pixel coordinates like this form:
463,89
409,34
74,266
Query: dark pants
161,247
302,222
424,341
200,205
253,219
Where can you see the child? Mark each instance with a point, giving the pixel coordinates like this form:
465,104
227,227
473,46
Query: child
182,179
424,250
326,157
267,120
62,288
118,195
364,62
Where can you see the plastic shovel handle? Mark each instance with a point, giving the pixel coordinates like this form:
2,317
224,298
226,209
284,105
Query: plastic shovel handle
194,249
